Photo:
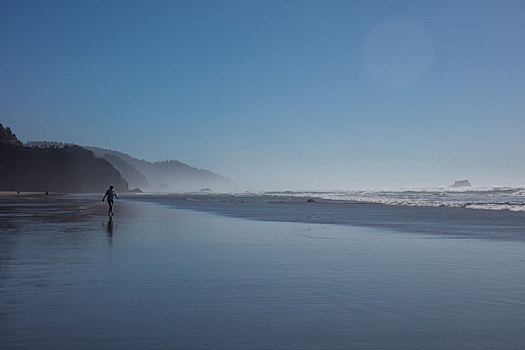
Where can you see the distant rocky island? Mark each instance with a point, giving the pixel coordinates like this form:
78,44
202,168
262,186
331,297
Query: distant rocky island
57,169
461,183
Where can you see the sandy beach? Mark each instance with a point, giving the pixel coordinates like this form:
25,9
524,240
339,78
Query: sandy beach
158,278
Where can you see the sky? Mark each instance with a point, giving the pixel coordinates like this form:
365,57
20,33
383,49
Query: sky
295,95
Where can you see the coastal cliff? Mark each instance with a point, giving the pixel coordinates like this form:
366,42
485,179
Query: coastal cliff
170,175
67,169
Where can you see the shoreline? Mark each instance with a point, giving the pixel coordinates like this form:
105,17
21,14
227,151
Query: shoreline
29,193
437,221
451,222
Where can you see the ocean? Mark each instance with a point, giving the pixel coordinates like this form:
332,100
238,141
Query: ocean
483,198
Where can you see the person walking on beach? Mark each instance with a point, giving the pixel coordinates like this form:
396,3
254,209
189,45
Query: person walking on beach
110,193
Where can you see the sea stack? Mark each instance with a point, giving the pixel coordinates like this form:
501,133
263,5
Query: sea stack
461,183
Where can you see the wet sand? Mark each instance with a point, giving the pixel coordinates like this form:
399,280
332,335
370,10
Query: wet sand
162,278
443,221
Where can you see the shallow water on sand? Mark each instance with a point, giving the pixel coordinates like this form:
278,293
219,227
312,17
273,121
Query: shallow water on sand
160,278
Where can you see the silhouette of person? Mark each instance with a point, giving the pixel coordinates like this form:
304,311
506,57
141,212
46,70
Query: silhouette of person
110,193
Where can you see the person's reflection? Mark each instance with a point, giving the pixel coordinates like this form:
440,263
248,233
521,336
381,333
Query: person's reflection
109,227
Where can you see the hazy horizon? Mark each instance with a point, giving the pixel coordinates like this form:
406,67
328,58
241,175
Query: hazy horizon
243,187
277,95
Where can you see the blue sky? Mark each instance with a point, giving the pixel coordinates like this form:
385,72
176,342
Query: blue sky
277,94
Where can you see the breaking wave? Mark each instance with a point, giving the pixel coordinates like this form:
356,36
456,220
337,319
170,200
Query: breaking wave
493,198
485,198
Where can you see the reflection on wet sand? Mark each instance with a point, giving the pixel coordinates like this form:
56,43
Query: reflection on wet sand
17,210
51,209
109,226
54,215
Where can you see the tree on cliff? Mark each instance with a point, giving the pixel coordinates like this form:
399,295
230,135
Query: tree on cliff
7,136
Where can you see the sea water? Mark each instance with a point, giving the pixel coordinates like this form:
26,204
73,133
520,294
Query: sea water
483,198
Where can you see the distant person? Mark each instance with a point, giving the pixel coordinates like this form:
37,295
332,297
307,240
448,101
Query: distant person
110,193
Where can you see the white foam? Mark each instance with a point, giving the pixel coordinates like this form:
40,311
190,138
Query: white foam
484,198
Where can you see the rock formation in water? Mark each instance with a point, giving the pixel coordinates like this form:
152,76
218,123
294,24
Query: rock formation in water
69,169
461,183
